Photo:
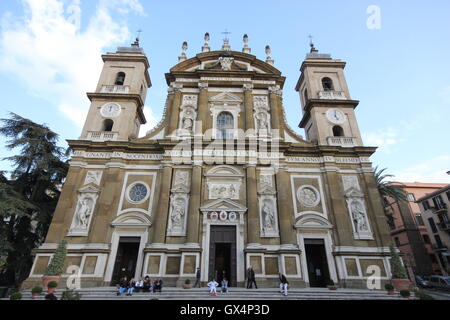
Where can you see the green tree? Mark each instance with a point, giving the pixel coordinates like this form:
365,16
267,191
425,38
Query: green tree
56,266
31,194
397,268
388,190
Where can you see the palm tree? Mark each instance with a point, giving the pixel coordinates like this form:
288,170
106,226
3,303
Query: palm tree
388,190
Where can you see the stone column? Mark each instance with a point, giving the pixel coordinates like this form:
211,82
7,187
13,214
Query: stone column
203,110
194,205
285,209
275,109
248,102
253,229
160,219
174,110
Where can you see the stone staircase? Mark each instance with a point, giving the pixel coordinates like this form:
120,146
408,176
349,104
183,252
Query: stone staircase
171,293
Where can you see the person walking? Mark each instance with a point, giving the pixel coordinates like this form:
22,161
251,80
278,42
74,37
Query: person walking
197,278
283,284
251,279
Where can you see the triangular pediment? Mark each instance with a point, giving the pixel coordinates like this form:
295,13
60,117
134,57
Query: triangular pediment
226,97
223,204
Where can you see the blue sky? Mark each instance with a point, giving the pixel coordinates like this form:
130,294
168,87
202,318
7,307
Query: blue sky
50,57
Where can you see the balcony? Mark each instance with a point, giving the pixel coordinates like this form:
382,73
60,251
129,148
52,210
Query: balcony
102,135
115,89
346,142
439,247
444,226
332,95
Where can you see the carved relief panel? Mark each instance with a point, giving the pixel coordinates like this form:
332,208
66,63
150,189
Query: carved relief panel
356,208
188,115
267,199
84,210
261,115
179,204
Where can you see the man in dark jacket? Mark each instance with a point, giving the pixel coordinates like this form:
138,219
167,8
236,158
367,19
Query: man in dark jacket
197,278
251,279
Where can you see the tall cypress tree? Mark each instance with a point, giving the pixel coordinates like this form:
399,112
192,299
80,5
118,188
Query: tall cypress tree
38,172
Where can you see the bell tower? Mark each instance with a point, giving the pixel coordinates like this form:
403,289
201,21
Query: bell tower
116,105
327,108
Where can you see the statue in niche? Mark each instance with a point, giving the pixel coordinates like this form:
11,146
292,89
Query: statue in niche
177,213
85,207
188,122
268,215
261,121
359,217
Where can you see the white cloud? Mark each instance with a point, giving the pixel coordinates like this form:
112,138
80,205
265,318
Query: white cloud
152,121
433,170
56,58
383,139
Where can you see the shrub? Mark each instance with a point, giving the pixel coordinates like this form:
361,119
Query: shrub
330,282
389,286
70,295
398,271
423,296
187,281
56,266
37,289
15,296
405,293
52,284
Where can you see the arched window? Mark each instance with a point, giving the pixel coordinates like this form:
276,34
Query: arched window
338,131
120,79
225,126
327,84
108,125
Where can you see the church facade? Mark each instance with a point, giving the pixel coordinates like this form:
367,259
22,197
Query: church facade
222,182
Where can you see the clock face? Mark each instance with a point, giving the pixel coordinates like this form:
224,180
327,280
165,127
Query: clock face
110,110
335,116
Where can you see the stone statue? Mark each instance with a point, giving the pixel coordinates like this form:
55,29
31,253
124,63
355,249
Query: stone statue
83,213
268,215
359,217
177,213
188,123
261,121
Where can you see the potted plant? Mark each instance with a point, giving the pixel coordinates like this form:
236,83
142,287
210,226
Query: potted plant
15,296
187,284
405,294
399,279
51,286
55,268
389,288
331,285
36,291
70,295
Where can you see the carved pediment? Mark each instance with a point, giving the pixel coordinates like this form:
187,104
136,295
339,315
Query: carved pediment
131,220
223,205
312,221
90,188
224,171
225,63
226,97
353,193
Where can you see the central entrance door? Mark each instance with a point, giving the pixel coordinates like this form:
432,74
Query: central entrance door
126,258
316,259
222,254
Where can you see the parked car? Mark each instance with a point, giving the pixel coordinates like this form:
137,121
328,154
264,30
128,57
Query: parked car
440,282
422,283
